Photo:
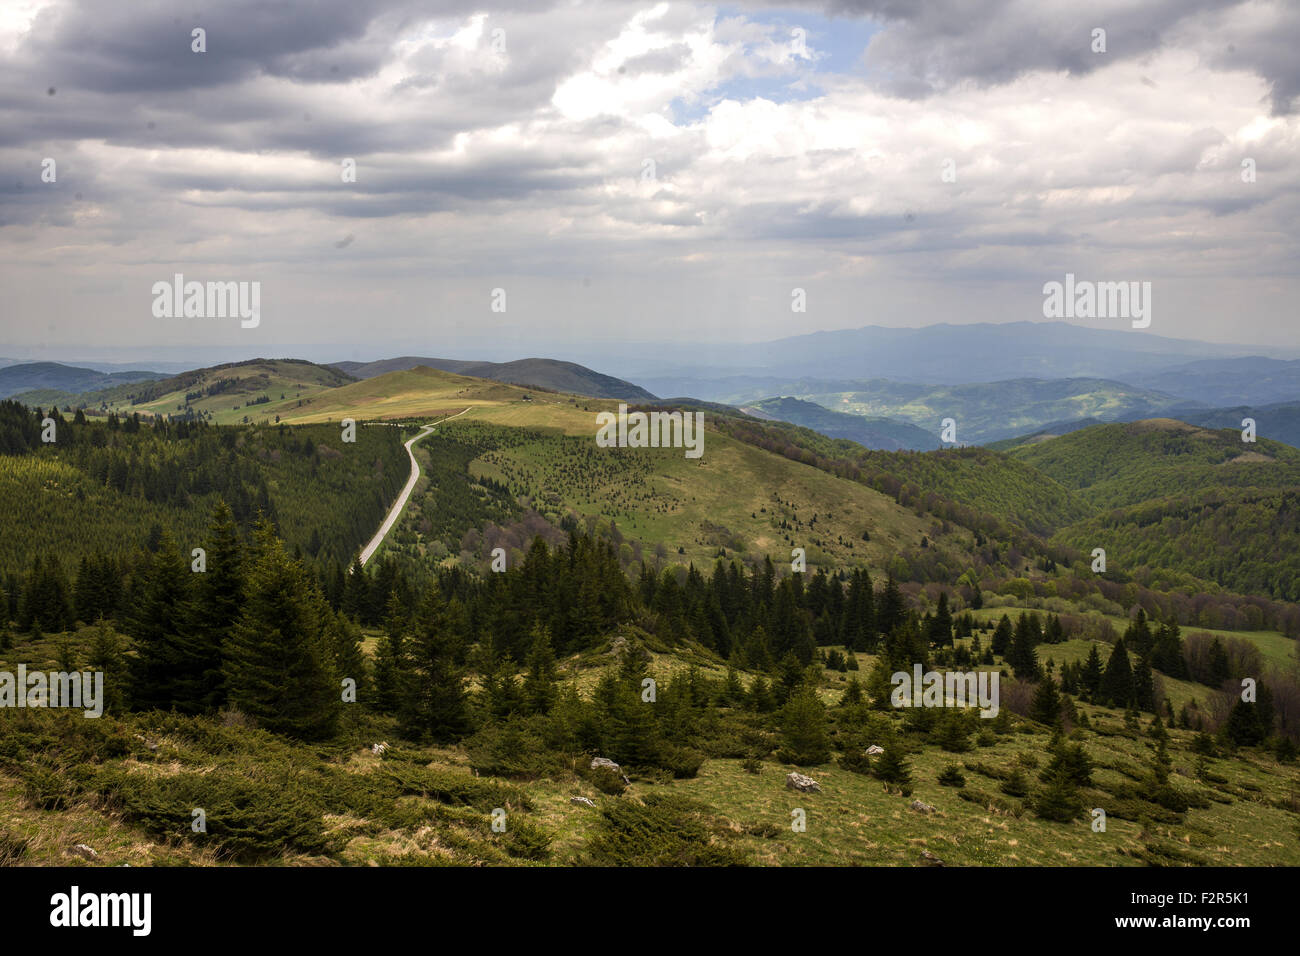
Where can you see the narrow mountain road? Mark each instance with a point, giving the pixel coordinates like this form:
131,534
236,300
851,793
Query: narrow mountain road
395,512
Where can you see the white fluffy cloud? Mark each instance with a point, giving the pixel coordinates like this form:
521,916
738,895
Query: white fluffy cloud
672,168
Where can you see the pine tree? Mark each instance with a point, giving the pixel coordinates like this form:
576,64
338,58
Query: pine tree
953,733
1059,800
1167,656
893,767
106,656
940,632
732,691
170,661
1243,727
1022,657
1001,643
1219,666
1046,704
435,705
217,602
1137,635
803,728
278,666
1116,689
890,609
540,690
1090,679
1144,686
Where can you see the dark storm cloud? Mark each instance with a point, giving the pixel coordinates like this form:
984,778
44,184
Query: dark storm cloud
931,45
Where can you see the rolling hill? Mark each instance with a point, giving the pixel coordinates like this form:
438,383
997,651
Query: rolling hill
57,379
1249,380
1168,495
550,374
878,433
989,411
235,393
1120,464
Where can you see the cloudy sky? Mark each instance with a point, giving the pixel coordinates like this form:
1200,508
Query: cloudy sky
638,171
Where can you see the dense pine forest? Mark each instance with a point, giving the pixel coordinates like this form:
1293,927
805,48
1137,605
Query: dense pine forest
589,671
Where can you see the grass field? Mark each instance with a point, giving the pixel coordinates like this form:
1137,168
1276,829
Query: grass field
1246,813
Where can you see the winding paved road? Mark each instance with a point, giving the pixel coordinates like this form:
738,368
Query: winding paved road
395,512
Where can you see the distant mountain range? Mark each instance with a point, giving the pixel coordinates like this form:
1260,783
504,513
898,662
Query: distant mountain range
1251,380
951,354
54,376
536,372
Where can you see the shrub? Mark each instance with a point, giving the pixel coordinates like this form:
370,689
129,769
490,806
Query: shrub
665,830
1015,785
246,818
951,776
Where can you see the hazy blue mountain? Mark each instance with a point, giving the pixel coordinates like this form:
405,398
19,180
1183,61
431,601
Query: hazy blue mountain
879,433
54,376
989,411
1280,422
1250,380
979,352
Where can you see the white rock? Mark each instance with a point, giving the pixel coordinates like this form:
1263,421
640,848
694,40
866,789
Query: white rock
797,781
85,852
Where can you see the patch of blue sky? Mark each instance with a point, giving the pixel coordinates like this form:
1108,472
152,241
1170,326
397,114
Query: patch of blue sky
837,45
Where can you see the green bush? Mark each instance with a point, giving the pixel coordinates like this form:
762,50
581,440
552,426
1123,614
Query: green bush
511,750
246,818
665,830
951,776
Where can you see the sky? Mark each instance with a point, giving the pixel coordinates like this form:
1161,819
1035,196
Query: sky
634,172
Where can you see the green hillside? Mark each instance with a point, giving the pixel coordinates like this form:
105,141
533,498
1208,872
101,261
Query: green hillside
108,487
237,393
879,433
1122,464
990,411
1171,495
494,691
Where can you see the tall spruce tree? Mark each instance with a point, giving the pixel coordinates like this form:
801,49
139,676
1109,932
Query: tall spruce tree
436,707
1117,689
219,595
1046,704
168,670
1002,635
1022,657
278,666
540,690
1090,678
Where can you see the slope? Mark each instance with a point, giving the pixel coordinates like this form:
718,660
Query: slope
535,372
258,390
60,380
879,433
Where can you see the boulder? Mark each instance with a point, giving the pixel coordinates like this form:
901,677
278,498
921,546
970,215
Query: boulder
797,781
929,859
874,749
83,851
598,762
921,807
